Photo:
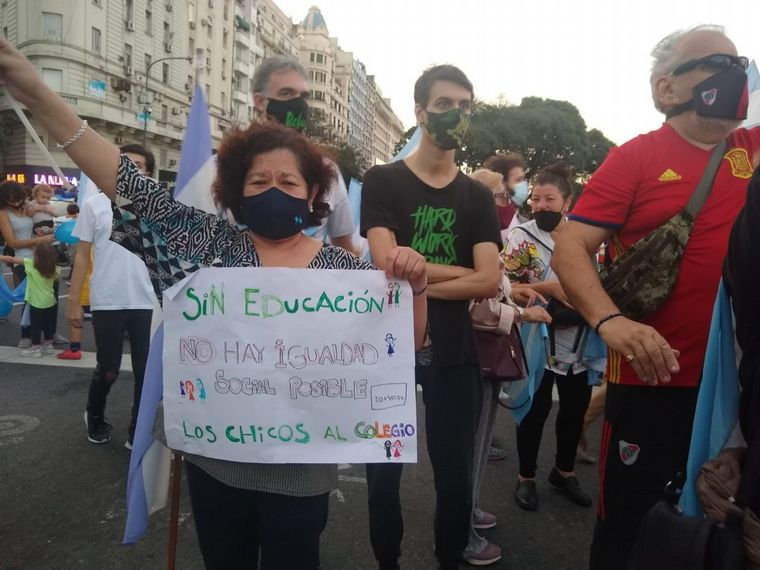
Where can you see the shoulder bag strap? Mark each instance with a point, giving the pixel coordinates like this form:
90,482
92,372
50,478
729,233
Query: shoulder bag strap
705,184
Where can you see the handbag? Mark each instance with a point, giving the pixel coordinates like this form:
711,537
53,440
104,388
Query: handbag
502,358
668,540
500,350
643,276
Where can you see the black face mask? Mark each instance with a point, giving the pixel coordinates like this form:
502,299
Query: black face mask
292,113
547,221
274,214
720,96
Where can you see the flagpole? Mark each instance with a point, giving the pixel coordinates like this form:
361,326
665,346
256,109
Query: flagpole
57,169
176,477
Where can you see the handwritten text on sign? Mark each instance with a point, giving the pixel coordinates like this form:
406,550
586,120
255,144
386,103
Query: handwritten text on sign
273,365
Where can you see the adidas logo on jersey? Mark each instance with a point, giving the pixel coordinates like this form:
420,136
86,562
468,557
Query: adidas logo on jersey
669,175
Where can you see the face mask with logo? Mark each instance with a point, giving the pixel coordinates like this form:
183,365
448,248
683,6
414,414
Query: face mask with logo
447,129
520,193
274,214
720,96
547,221
292,113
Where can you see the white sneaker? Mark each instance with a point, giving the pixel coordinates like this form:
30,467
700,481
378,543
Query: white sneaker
58,338
47,347
25,343
32,352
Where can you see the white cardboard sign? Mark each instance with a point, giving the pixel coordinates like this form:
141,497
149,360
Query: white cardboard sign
271,365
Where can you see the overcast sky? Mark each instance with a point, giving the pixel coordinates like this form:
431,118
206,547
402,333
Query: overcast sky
593,53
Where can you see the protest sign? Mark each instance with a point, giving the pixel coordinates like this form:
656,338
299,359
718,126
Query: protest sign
274,365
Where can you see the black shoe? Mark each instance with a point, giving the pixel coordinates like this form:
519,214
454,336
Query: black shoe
496,453
98,430
570,488
525,495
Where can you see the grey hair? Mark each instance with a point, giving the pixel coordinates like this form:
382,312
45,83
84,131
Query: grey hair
665,56
271,65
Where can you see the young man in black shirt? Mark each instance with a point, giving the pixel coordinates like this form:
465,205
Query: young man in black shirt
426,203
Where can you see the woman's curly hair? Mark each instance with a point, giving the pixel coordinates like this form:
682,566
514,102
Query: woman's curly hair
240,147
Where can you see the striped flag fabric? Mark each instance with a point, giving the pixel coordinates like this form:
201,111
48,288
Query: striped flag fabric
150,463
717,408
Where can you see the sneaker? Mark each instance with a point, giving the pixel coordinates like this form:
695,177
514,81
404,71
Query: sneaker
32,352
58,338
98,430
47,347
570,488
69,354
25,343
87,315
525,494
496,453
491,554
486,520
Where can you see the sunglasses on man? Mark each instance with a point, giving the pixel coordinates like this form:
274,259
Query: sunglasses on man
716,61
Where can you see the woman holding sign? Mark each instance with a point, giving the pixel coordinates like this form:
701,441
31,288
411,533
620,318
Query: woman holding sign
273,180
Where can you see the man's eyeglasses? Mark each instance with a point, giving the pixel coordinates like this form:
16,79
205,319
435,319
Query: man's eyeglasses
716,61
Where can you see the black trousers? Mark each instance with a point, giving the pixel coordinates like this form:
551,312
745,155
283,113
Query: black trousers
26,331
452,397
645,442
233,525
110,327
42,323
574,396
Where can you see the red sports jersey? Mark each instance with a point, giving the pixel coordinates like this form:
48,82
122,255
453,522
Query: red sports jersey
640,186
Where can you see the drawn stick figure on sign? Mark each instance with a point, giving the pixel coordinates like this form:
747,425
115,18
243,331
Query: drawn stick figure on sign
181,388
391,342
397,447
202,393
387,445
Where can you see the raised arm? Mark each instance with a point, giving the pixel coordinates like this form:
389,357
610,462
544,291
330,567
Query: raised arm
649,353
97,157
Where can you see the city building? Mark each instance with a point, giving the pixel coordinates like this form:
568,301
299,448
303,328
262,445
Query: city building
387,128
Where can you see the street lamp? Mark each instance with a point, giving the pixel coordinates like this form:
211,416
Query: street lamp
146,103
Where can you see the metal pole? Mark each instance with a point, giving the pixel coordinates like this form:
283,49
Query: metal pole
146,104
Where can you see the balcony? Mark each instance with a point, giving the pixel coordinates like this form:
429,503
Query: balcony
241,67
240,96
242,38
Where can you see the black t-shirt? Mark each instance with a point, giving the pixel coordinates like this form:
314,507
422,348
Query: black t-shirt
443,224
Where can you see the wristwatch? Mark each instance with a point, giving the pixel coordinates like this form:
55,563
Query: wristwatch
519,314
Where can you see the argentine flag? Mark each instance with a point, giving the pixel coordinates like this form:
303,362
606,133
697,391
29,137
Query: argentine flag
150,463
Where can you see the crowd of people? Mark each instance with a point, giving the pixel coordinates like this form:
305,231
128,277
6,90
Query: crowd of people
457,239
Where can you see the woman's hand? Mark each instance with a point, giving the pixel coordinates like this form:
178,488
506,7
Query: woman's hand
405,263
47,238
18,75
536,315
527,296
75,315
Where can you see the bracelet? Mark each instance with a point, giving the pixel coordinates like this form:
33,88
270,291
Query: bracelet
75,137
605,319
419,292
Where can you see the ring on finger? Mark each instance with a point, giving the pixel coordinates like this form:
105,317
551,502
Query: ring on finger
630,357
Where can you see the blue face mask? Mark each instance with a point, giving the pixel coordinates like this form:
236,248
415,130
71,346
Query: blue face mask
274,214
521,192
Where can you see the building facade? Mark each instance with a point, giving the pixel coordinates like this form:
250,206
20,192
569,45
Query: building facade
130,66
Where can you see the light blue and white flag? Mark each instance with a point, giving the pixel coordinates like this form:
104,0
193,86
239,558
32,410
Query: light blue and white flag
518,395
410,146
197,163
718,401
150,464
753,85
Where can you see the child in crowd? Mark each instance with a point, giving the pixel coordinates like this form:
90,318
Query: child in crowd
41,273
72,211
40,209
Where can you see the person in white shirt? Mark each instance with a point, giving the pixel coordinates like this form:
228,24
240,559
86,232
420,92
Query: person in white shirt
119,304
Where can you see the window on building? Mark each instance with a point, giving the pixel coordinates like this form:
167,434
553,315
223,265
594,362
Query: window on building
162,157
207,92
223,98
128,55
225,38
53,78
208,62
191,13
312,57
148,60
320,58
165,73
191,48
149,22
129,10
226,9
95,40
210,31
164,113
167,33
52,26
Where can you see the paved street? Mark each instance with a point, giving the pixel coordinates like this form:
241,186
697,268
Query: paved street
62,498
